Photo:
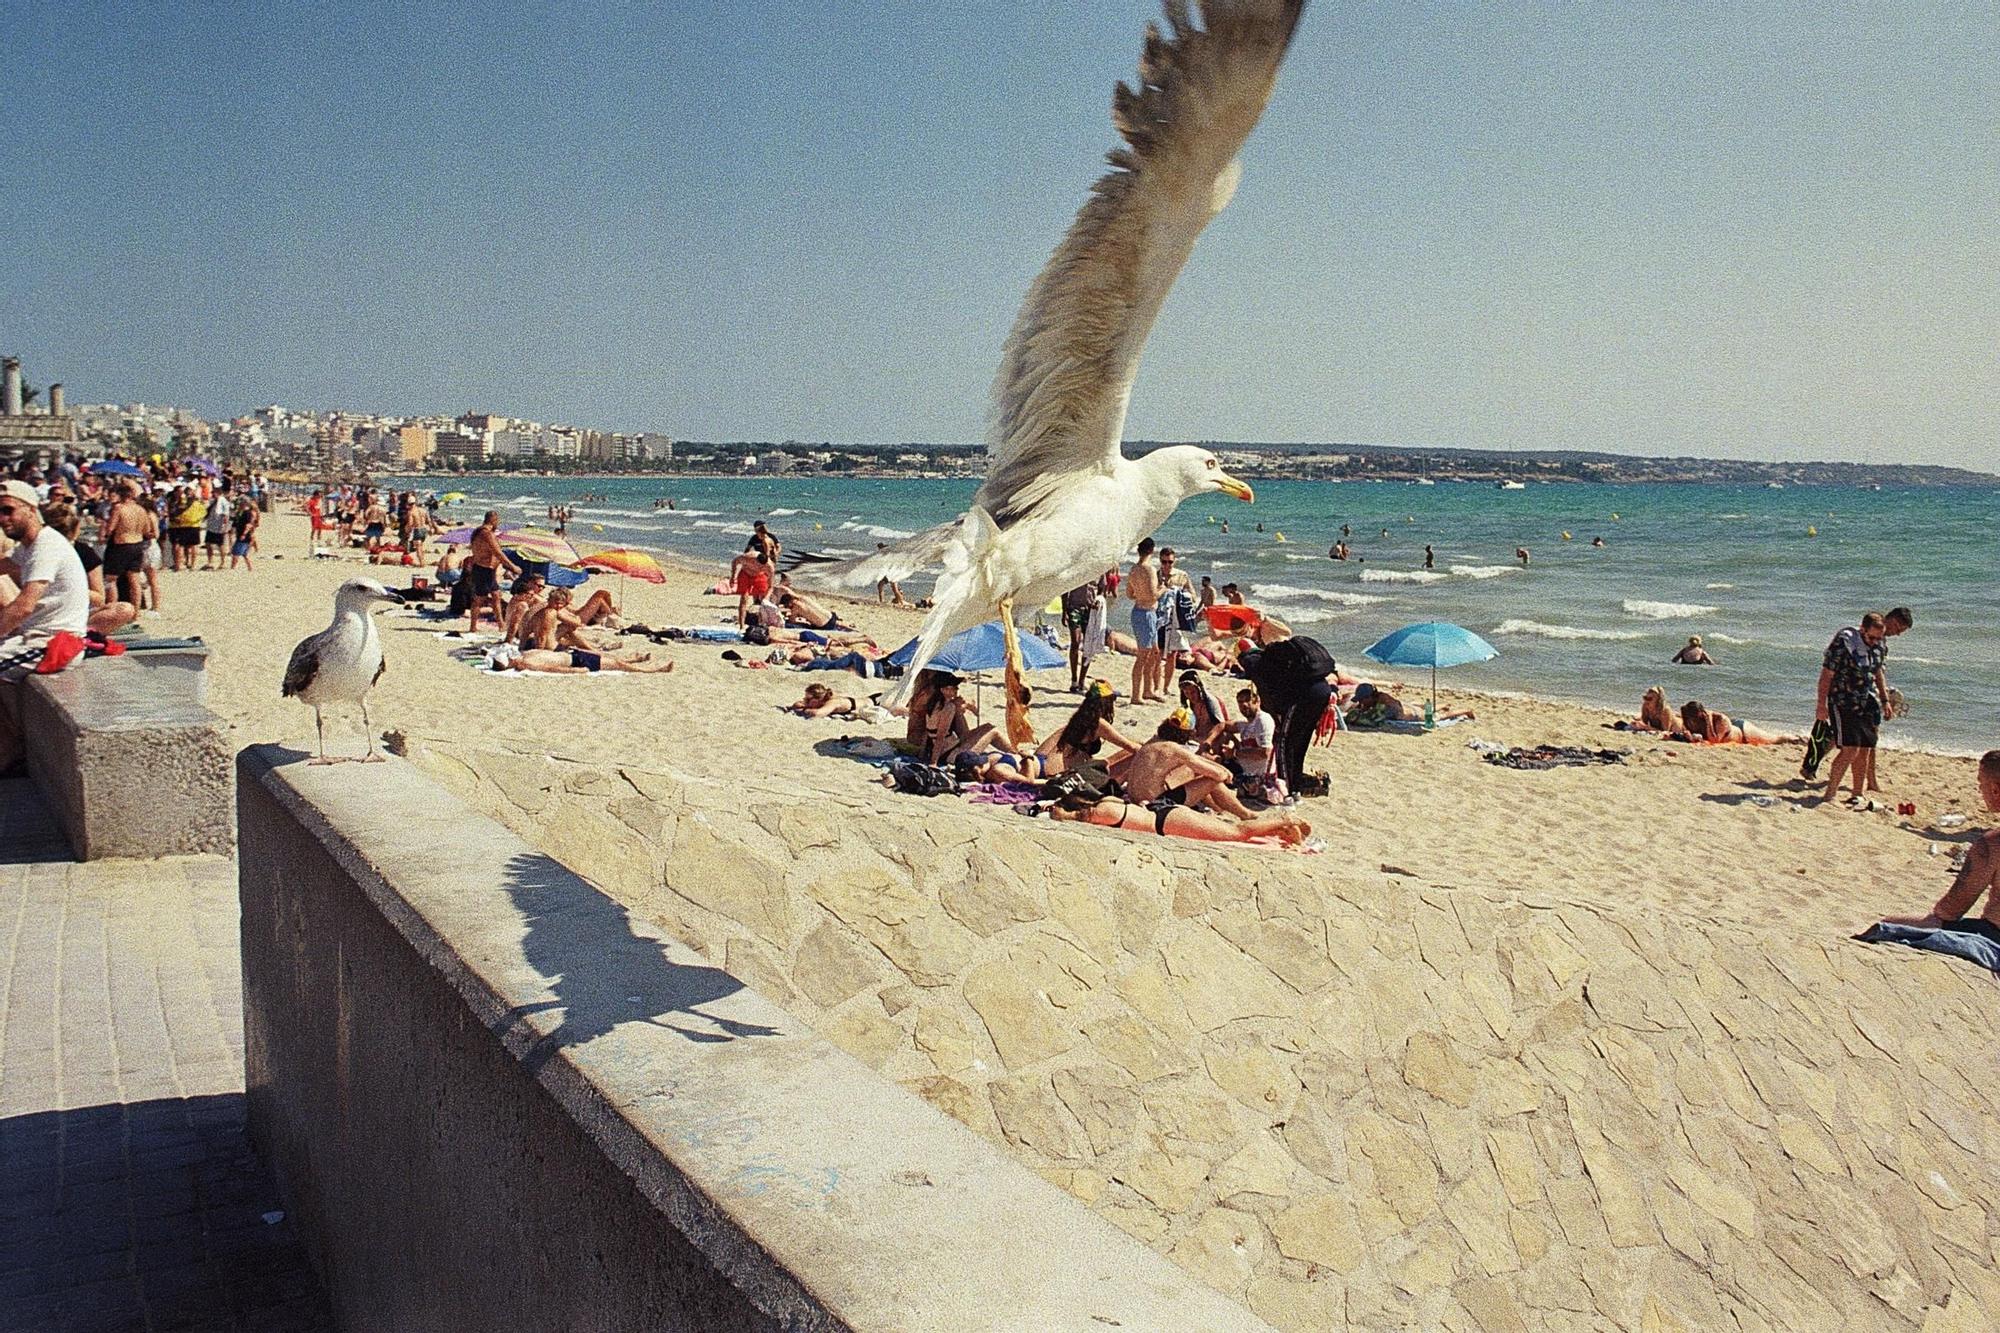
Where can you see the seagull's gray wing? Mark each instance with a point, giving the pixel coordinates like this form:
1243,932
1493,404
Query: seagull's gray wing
304,665
1066,373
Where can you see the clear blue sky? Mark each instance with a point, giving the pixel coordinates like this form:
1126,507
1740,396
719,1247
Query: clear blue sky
1745,230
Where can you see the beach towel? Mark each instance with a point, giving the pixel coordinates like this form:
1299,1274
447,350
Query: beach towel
1553,756
1003,793
1093,631
1969,938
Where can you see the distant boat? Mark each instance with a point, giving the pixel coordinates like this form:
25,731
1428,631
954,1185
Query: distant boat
1511,486
1425,481
1774,485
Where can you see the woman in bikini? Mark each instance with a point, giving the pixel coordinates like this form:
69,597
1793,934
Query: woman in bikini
1179,820
947,721
821,701
1720,729
1086,732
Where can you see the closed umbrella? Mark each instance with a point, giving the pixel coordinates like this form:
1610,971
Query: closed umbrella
1431,643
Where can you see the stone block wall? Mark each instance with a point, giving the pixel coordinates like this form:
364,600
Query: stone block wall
1339,1093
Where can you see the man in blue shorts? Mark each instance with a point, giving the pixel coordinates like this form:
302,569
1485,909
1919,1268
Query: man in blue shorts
1142,586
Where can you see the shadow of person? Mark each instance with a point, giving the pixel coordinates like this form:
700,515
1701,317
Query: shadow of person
603,974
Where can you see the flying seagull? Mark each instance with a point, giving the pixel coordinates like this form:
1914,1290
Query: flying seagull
1061,503
342,662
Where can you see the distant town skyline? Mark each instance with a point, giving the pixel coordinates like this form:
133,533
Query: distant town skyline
1761,233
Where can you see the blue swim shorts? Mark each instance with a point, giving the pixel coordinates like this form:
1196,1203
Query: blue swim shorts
1146,626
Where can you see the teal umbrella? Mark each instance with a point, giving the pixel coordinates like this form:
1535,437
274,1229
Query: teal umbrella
1431,643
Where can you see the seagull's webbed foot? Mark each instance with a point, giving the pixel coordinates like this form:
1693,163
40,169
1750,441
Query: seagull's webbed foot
323,761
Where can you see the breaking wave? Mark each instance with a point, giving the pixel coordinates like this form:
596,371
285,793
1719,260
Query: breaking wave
1280,590
1664,610
1541,631
1482,571
1402,576
876,530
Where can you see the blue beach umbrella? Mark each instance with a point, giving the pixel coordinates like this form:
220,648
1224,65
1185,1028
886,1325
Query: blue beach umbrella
116,467
981,648
1431,643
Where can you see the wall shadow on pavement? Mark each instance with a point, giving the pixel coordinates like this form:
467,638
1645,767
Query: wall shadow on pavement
151,1214
603,974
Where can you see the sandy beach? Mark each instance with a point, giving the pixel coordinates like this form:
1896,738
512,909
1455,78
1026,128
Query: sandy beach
1582,1047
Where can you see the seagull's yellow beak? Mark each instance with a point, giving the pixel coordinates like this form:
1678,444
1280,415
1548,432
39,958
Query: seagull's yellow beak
1229,485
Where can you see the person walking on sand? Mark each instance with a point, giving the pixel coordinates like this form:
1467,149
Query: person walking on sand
482,575
1142,588
125,530
1854,695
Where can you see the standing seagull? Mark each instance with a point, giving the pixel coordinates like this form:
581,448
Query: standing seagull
1061,503
342,662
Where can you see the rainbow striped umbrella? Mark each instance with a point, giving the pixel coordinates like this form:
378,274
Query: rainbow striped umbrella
625,561
539,544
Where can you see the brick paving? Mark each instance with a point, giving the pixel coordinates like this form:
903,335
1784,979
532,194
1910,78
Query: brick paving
129,1195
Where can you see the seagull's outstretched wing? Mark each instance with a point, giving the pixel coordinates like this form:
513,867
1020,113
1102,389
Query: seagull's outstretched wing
1066,373
900,560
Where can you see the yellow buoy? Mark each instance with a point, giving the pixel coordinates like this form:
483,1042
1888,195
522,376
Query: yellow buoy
1279,536
1812,532
819,527
1211,518
1565,536
1614,516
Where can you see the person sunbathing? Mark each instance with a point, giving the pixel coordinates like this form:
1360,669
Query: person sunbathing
1713,728
821,701
1166,769
570,662
765,634
530,596
1980,874
1088,730
1373,706
556,626
1655,715
804,610
1179,821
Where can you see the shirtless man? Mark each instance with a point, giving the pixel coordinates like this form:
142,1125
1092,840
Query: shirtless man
1165,769
556,626
482,570
798,606
1980,875
565,662
1142,587
126,529
530,595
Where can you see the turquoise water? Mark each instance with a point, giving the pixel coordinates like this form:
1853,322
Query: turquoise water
1592,624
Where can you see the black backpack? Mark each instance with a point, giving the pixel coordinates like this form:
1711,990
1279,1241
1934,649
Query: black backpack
918,779
1297,661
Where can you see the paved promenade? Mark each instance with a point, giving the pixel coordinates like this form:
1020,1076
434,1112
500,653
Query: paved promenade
129,1196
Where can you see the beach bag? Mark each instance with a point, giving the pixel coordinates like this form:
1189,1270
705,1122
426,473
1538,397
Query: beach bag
1088,782
1818,746
1298,661
1312,784
917,779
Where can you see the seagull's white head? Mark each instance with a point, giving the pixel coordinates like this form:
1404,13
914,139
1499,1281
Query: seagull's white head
1197,470
357,594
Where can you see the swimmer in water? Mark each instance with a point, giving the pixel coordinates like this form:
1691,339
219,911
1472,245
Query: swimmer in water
1521,554
1597,541
1430,557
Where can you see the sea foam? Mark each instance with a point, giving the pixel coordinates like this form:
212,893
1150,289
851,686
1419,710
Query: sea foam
1482,571
1633,606
876,530
1280,590
1402,576
1541,631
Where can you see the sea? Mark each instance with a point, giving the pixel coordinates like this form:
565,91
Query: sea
1765,576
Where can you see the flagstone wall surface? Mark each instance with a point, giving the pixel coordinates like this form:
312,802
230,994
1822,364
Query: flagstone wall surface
1339,1092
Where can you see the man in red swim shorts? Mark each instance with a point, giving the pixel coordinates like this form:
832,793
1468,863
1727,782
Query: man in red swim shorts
750,574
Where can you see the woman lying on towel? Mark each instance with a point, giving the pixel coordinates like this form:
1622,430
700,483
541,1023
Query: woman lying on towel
1179,821
821,701
1720,729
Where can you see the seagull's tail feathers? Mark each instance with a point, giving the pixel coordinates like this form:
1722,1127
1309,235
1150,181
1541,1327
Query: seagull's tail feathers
897,561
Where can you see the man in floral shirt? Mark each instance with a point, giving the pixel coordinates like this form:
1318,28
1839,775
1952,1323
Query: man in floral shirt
1854,694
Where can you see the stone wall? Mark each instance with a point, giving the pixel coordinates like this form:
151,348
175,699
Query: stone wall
493,1099
1339,1093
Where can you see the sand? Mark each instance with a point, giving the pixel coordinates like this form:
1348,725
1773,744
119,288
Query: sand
1429,1075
